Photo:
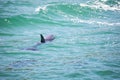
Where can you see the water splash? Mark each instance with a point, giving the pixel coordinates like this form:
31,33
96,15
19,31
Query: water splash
38,9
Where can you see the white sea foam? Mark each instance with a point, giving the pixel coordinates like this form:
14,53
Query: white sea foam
100,5
77,20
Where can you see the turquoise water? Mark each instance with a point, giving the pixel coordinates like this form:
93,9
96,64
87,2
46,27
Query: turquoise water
86,45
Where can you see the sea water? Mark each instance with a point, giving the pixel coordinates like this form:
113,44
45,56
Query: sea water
86,44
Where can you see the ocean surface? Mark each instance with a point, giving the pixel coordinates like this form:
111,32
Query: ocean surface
86,44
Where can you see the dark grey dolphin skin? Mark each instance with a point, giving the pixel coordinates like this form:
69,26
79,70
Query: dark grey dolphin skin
43,40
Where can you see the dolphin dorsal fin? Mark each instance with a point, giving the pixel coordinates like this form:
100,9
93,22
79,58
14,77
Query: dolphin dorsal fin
42,39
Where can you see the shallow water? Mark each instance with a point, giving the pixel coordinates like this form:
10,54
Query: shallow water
86,45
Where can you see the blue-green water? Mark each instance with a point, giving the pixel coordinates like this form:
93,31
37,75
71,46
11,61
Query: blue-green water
86,47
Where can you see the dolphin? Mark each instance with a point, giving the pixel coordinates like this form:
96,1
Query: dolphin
43,40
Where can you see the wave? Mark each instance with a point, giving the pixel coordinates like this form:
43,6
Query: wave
66,14
98,4
83,12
